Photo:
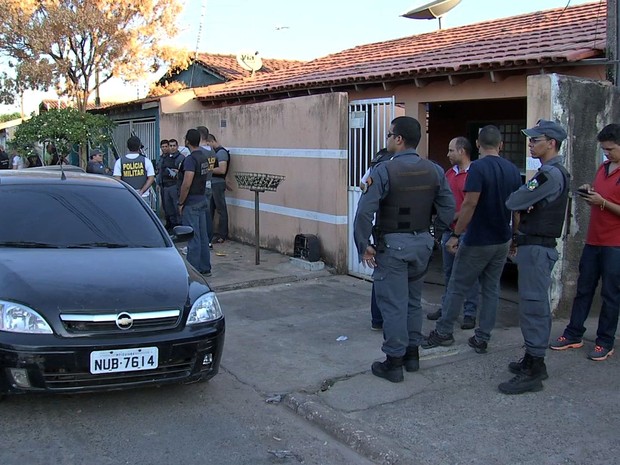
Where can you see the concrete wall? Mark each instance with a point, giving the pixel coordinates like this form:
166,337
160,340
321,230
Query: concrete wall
304,139
583,107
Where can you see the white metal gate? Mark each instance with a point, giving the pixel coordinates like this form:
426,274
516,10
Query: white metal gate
146,130
369,122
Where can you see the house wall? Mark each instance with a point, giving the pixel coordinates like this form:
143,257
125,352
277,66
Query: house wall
583,107
463,89
304,139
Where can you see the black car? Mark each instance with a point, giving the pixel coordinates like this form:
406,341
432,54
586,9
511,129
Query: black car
93,293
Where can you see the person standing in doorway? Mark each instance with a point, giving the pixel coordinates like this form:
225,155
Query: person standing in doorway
540,207
482,252
600,258
218,190
459,155
402,192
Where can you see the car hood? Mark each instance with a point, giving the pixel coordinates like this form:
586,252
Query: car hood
95,279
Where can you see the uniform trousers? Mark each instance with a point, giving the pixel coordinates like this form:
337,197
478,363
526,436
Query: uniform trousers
535,264
170,200
402,260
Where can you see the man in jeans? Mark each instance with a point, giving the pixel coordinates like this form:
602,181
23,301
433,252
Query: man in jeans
193,204
459,154
600,258
483,250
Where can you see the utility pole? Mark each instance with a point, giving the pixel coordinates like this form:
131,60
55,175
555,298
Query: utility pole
613,41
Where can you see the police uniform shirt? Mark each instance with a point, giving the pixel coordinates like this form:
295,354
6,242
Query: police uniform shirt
379,187
547,184
150,170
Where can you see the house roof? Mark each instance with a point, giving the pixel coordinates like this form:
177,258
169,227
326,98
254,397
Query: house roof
546,38
227,66
51,104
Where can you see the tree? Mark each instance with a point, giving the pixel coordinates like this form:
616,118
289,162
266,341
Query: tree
64,128
77,45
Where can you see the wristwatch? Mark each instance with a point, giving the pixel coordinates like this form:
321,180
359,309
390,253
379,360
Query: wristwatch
458,236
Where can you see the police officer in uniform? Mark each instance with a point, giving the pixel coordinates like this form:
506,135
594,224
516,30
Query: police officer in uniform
135,169
541,206
403,192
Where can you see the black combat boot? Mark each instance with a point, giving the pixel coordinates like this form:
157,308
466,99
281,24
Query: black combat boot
411,360
517,367
391,369
529,379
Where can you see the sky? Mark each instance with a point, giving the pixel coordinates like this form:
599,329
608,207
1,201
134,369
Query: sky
306,30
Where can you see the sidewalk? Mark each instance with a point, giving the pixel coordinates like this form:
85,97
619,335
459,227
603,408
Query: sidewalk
306,336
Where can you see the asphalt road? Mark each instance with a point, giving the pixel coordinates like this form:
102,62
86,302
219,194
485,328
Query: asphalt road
220,422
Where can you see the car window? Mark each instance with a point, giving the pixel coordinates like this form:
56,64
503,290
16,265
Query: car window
72,215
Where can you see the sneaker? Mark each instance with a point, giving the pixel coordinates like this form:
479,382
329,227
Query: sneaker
434,315
469,322
563,343
479,346
436,339
600,353
376,326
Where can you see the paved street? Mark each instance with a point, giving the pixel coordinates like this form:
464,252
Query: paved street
222,422
305,336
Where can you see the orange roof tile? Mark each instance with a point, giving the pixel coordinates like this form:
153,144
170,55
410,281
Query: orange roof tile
227,66
51,104
537,39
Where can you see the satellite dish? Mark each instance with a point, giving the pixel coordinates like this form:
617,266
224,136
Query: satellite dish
432,10
250,61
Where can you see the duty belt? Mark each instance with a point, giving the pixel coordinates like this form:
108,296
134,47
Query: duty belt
524,239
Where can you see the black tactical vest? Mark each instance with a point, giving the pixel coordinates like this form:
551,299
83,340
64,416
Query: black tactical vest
199,182
133,172
409,203
171,162
547,220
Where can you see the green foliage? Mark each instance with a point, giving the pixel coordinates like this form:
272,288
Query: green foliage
9,117
64,128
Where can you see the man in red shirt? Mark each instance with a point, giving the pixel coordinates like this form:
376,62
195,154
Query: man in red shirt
459,154
600,258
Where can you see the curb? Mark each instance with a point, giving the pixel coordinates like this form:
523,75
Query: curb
354,434
268,281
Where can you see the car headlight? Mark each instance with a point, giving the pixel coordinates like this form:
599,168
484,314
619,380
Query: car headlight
17,318
206,308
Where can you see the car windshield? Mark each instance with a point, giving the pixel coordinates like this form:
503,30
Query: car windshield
74,216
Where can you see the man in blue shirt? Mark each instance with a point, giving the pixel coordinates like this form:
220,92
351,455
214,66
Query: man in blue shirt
482,252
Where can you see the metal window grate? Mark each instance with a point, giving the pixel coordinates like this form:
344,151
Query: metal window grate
259,181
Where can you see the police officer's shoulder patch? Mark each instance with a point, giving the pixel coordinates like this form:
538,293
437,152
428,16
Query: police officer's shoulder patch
536,181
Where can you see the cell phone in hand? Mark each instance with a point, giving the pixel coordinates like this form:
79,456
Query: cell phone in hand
583,192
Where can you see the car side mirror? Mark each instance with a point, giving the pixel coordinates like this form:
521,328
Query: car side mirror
181,233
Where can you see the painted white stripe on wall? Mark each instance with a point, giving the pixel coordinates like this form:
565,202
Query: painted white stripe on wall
293,212
290,153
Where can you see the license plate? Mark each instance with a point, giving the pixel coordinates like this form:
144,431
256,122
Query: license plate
115,361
